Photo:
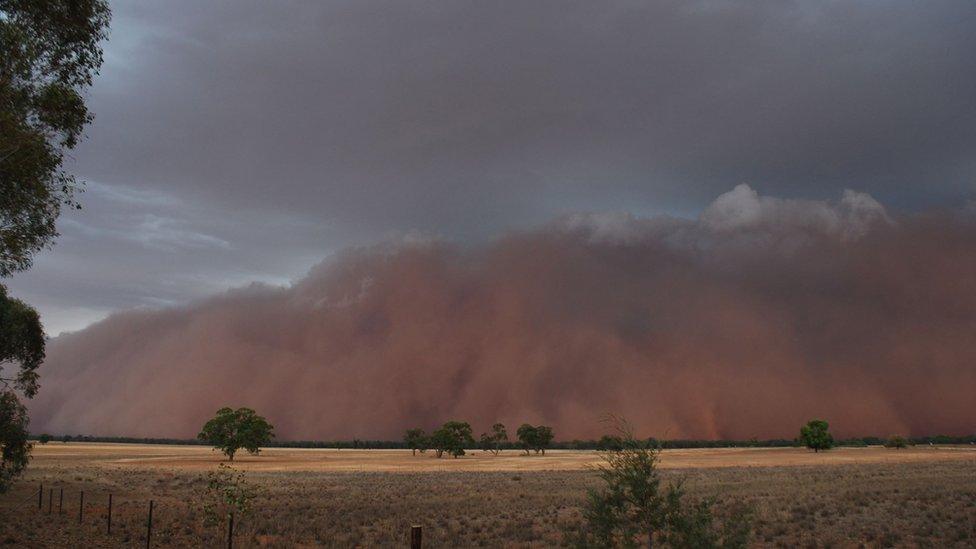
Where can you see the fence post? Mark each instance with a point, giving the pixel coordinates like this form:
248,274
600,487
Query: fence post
61,502
230,532
50,500
40,496
81,507
416,537
149,527
109,529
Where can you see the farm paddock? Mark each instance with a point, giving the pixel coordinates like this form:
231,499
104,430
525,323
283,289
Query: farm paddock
849,497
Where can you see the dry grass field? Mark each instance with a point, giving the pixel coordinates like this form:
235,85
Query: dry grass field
872,497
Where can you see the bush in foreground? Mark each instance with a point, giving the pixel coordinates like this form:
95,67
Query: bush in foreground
635,506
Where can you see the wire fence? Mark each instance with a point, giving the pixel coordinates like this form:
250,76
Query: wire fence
101,509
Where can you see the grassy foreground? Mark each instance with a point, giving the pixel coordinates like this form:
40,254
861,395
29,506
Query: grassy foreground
875,498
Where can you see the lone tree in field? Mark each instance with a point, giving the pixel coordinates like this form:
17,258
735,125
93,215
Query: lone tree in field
816,435
535,438
636,508
231,430
416,439
492,442
452,438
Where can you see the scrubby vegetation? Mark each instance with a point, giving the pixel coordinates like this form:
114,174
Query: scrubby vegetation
635,505
925,504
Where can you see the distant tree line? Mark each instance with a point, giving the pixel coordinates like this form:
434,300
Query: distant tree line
575,444
455,437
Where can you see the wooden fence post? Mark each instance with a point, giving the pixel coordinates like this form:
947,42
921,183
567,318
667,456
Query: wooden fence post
40,496
61,502
50,500
416,537
109,529
230,532
81,507
149,526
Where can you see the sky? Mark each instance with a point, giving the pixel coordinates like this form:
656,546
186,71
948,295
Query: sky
240,142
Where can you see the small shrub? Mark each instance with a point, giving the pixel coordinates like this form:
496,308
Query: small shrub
227,491
636,506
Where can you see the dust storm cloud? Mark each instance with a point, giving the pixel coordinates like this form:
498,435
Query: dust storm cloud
756,316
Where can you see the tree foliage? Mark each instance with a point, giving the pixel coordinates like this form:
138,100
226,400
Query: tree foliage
816,435
534,438
492,441
610,442
452,438
21,344
636,506
51,52
896,441
14,446
231,430
416,439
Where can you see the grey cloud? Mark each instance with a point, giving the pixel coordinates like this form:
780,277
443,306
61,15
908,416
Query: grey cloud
465,119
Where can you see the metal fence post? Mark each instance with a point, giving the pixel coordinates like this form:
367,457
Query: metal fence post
230,532
109,529
50,500
40,496
61,502
81,507
416,537
149,526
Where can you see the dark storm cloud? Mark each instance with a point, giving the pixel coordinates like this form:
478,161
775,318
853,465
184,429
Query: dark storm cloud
353,120
470,115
